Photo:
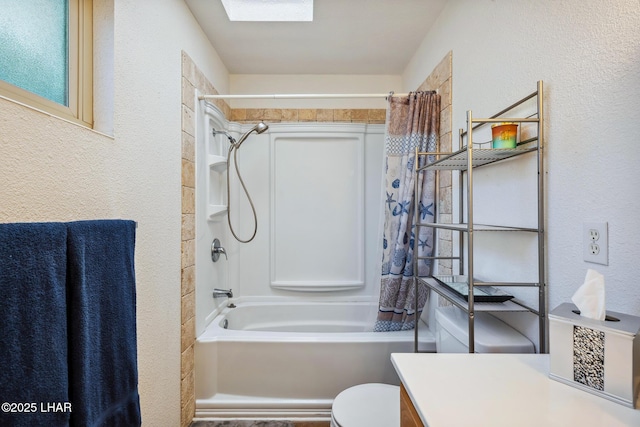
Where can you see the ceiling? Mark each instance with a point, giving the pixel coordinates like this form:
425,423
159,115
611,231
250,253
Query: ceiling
345,37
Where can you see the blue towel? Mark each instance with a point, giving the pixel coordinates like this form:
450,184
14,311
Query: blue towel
33,324
103,371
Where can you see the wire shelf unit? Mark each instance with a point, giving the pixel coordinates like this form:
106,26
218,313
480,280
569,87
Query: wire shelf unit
465,161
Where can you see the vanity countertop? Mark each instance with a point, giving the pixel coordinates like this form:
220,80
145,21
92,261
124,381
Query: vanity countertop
450,390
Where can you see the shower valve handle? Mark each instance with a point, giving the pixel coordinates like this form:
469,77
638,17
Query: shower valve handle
216,250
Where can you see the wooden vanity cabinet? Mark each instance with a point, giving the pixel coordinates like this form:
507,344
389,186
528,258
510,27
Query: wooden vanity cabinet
408,415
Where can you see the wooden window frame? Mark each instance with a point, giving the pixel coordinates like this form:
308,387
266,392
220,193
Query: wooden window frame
80,73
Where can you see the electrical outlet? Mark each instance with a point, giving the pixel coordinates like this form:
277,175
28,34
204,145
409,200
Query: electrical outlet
595,242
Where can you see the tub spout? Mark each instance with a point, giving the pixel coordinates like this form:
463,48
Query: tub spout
219,293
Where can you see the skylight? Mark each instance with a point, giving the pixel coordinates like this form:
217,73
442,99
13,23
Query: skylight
269,10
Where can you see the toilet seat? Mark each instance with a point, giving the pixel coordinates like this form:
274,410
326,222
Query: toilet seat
367,405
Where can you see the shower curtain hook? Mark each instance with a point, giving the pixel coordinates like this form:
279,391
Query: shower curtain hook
390,95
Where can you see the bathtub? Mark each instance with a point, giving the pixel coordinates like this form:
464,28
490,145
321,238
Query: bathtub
289,360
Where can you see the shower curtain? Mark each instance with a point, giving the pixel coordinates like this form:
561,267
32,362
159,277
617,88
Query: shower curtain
412,121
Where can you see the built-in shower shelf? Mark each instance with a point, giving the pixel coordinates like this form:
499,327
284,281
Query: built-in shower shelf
217,163
215,211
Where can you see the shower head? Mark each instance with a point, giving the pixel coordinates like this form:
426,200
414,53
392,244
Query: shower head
259,128
232,140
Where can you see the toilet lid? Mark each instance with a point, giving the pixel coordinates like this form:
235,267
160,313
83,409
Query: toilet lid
367,405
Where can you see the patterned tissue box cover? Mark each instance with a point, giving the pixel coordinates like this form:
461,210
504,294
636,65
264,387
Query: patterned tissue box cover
600,357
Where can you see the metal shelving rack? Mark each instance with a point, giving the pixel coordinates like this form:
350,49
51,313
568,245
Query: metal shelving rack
465,161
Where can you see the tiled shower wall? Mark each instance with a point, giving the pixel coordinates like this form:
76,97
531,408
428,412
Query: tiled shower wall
192,80
276,115
440,80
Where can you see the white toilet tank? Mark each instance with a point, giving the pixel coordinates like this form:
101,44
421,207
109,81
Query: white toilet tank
491,334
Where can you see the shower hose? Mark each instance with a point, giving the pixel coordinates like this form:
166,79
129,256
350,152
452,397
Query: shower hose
253,209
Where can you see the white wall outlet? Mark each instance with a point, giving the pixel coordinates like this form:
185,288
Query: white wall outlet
595,242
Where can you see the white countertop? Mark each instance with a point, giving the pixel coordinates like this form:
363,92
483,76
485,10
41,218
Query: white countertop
495,390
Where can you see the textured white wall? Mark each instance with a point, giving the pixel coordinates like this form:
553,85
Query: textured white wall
587,53
149,38
52,170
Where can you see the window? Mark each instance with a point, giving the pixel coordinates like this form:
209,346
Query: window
46,56
273,10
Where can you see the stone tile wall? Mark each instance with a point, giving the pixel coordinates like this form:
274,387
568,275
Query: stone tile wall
192,79
277,115
440,79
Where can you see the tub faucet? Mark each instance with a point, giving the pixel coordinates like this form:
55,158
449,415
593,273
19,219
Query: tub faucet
219,293
216,250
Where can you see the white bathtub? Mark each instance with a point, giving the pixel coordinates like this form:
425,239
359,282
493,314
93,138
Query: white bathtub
290,360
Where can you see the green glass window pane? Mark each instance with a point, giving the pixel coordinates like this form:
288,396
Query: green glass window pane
34,46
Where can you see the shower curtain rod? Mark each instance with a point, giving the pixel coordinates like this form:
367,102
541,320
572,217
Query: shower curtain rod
304,96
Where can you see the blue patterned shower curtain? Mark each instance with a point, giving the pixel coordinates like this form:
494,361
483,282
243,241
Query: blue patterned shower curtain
412,121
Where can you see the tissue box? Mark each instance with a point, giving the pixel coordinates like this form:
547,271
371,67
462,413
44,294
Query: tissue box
600,357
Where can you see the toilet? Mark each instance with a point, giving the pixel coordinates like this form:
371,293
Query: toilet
378,405
367,405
